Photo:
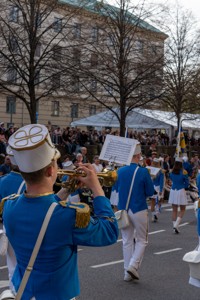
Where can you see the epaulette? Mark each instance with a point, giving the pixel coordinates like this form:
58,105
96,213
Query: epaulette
185,172
3,200
82,212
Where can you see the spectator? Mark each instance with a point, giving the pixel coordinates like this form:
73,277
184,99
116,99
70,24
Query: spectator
84,154
5,168
96,164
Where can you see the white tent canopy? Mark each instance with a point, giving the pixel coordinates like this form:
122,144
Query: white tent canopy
141,119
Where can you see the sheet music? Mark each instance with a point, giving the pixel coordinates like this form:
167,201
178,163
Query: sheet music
153,170
118,149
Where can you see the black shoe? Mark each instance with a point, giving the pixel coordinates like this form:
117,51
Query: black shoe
176,230
155,218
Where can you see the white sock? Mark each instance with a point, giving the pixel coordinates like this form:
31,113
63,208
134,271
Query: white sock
178,221
174,223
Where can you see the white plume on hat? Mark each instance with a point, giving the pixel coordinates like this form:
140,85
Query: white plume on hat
179,159
11,155
137,149
32,148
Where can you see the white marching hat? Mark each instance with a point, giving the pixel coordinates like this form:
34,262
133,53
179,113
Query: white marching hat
32,148
11,155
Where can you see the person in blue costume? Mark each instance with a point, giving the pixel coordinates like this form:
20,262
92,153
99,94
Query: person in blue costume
178,196
10,184
193,280
187,165
198,181
158,182
55,271
135,236
13,182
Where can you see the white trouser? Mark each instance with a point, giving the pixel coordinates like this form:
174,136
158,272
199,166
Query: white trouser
138,229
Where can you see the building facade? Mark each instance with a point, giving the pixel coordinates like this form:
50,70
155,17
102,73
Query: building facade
52,65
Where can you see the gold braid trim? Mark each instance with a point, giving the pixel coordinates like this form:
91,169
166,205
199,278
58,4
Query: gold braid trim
82,212
10,197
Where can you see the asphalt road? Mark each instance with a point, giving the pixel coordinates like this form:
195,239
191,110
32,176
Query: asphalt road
163,274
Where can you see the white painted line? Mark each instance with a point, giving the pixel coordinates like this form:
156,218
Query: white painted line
4,267
184,224
80,249
168,251
108,264
158,231
4,283
153,232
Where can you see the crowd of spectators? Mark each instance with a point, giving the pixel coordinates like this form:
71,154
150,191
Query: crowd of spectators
72,139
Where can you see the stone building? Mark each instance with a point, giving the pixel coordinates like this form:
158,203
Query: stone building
63,88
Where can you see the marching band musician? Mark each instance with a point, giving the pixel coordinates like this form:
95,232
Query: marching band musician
135,236
177,195
158,182
10,184
54,274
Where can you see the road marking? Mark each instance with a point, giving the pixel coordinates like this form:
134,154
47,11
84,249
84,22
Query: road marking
4,267
184,224
168,251
153,232
119,240
4,283
158,231
108,264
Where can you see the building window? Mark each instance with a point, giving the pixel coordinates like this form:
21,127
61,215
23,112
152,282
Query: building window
57,53
111,40
57,25
109,90
38,20
74,110
139,44
94,60
77,56
93,86
11,104
37,77
11,75
14,14
38,50
77,31
56,81
95,34
13,44
75,83
55,108
92,110
151,93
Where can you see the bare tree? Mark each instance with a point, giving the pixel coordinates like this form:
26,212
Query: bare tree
181,71
123,60
33,36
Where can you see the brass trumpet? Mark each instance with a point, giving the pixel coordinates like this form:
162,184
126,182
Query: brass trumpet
106,178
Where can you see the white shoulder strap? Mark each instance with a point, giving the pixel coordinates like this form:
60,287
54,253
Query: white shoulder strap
35,251
20,187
